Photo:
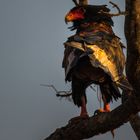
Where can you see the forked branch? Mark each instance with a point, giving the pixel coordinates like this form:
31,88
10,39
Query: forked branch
62,93
113,14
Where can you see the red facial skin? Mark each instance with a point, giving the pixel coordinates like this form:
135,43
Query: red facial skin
75,15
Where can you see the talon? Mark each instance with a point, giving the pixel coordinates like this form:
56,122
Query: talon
98,111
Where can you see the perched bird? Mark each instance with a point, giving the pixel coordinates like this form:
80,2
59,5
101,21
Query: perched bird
94,54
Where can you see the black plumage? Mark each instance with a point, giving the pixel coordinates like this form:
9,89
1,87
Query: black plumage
94,54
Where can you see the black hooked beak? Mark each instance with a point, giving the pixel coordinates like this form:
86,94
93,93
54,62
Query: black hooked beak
66,21
68,18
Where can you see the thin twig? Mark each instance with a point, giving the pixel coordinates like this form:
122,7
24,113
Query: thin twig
80,2
115,6
67,94
113,14
52,86
58,93
75,2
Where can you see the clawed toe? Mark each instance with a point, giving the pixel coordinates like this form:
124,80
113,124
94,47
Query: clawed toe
99,111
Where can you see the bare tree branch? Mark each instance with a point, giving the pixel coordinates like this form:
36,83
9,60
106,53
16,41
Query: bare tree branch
135,123
86,128
132,33
80,2
63,93
83,2
115,6
75,2
114,14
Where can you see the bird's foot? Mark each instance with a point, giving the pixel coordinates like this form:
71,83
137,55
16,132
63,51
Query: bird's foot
99,111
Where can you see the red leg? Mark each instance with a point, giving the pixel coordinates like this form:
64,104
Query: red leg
106,107
83,114
83,108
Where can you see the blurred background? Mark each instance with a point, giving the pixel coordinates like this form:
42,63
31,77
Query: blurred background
32,33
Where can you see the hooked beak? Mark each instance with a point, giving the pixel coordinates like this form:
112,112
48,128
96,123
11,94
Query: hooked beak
66,21
67,18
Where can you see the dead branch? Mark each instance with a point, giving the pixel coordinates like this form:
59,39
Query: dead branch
62,93
115,6
75,2
86,128
81,2
132,33
113,14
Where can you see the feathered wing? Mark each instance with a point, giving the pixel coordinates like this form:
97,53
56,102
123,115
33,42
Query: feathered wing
105,54
82,73
110,57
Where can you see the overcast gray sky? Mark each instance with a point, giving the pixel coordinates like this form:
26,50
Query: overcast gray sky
32,33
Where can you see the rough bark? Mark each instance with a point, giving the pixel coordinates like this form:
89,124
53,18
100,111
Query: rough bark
86,128
132,33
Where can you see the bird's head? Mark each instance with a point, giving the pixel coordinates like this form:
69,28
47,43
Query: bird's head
76,13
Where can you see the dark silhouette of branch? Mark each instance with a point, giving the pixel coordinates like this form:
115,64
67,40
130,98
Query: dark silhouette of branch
115,6
85,128
114,14
81,2
132,33
85,2
75,2
62,93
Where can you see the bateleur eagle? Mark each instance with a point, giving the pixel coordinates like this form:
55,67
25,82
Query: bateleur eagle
94,54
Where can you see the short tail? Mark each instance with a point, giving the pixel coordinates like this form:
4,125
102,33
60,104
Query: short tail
110,90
